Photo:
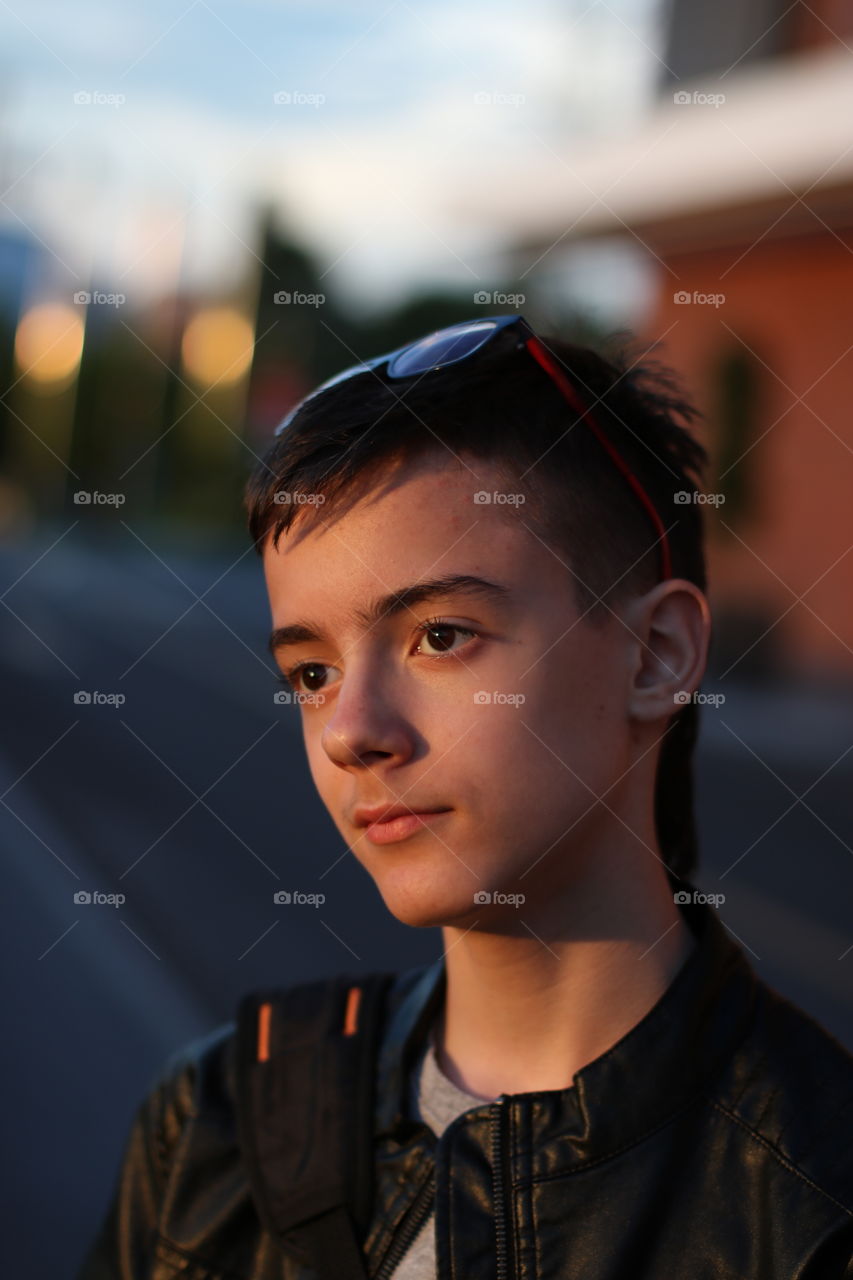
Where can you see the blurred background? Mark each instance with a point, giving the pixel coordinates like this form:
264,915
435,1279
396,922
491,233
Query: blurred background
204,210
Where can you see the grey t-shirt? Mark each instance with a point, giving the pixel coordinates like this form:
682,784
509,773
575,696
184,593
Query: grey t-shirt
436,1101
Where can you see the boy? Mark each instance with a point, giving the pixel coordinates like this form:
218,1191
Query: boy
488,596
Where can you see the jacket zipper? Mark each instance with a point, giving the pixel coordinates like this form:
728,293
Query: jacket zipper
418,1214
500,1187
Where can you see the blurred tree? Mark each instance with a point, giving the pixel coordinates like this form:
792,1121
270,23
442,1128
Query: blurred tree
301,335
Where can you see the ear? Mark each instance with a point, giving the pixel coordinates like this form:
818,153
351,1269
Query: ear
668,631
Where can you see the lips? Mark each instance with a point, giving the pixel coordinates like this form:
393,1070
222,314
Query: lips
365,817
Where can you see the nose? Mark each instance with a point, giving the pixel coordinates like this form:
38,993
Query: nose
367,724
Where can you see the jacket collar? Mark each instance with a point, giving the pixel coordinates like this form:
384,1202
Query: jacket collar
672,1054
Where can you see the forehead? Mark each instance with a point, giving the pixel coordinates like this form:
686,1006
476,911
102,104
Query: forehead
418,518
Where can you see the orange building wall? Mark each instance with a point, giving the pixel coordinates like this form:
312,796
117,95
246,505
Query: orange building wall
792,303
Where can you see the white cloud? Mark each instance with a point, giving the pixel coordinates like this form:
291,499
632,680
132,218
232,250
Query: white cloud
397,174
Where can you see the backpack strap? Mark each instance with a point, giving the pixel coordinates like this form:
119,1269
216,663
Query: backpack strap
306,1068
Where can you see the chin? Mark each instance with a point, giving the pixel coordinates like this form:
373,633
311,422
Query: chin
425,906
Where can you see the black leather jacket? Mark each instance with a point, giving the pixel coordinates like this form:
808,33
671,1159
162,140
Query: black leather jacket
713,1142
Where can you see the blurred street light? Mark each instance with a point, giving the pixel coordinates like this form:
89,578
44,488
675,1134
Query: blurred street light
217,347
49,345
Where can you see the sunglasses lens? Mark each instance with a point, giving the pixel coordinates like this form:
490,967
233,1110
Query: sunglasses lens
441,348
444,347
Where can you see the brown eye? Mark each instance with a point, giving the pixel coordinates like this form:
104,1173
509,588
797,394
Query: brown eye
439,635
309,675
306,672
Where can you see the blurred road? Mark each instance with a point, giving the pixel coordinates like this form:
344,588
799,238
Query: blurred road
193,799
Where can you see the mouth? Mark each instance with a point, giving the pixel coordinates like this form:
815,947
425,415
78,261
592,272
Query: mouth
396,826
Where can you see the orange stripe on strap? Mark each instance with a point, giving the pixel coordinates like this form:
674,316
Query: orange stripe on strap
264,1014
351,1015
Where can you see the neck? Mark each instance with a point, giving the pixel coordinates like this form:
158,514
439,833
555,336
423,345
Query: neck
533,999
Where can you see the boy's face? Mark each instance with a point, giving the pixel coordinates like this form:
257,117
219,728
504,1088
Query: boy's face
400,724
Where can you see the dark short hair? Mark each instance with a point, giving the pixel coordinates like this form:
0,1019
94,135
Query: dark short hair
502,408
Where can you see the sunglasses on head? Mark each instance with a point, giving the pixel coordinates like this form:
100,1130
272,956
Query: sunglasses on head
460,342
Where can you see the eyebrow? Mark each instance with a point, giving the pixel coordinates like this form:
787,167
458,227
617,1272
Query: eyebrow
394,603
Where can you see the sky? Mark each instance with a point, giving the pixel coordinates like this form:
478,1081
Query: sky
138,136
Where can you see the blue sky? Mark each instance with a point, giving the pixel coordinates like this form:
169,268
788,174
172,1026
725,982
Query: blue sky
401,126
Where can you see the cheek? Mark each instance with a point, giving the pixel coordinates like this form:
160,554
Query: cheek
324,773
503,748
571,732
